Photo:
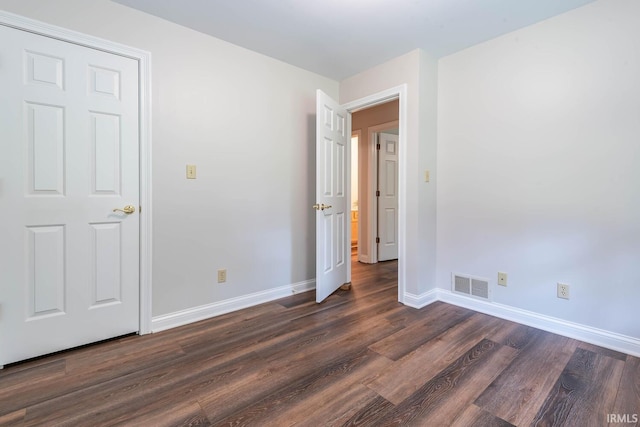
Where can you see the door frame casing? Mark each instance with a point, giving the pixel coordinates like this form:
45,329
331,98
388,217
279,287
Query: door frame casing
400,93
144,122
357,134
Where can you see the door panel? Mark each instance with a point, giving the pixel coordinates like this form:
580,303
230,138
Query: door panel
105,154
45,138
333,125
388,200
106,258
46,261
69,268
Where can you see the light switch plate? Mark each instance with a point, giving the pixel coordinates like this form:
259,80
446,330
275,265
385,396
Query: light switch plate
222,275
502,279
191,171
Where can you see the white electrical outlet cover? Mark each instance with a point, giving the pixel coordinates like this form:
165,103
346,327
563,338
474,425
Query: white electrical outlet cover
563,291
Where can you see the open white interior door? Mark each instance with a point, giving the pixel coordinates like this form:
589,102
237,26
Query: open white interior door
333,232
388,197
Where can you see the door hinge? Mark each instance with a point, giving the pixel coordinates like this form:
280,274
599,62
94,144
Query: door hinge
377,193
377,240
378,147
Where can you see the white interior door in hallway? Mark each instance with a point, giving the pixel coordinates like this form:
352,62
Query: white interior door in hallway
387,197
333,232
69,264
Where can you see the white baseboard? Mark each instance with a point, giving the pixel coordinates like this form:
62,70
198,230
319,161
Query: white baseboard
419,301
364,259
195,314
600,337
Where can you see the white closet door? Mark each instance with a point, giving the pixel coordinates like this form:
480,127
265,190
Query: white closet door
69,264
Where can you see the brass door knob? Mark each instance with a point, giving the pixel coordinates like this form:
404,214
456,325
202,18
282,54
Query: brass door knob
129,209
321,206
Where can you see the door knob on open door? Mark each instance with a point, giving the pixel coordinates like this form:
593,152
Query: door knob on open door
321,207
129,209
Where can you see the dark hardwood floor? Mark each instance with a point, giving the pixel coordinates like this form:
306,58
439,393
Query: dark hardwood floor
359,358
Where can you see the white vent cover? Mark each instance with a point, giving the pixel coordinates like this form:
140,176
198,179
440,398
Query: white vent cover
477,287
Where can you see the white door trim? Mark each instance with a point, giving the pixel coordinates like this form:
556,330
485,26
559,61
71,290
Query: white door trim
372,180
359,231
399,92
144,61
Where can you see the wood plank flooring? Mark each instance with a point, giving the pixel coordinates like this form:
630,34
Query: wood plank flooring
359,358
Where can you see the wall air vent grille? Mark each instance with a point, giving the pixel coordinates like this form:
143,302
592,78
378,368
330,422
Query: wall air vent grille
480,288
477,287
462,284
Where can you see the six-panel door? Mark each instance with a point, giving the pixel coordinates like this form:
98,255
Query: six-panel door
333,128
69,144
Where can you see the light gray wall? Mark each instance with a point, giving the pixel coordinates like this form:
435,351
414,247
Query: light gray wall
538,176
247,122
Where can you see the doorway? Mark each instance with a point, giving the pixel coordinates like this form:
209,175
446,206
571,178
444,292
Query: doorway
333,232
367,179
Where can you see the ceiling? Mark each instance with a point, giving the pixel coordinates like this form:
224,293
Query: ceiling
340,38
